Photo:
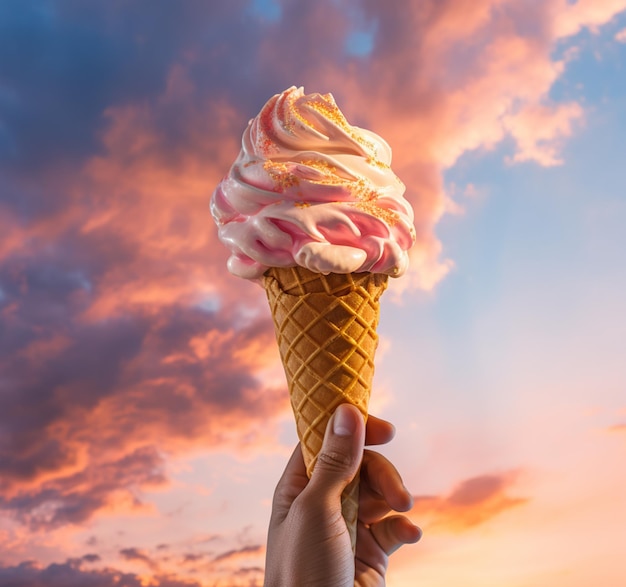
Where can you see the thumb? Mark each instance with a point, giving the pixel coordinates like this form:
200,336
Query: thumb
342,451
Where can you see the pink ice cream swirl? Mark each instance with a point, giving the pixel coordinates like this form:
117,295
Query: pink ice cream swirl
309,189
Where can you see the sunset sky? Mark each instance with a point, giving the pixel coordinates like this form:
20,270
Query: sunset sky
144,417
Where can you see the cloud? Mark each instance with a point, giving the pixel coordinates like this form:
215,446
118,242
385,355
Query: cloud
244,552
472,502
450,77
87,60
123,342
136,554
239,565
70,574
539,131
122,335
621,427
470,67
72,499
586,14
192,558
91,412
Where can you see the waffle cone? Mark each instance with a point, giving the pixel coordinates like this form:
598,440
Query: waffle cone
326,333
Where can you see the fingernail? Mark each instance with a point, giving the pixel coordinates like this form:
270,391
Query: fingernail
344,423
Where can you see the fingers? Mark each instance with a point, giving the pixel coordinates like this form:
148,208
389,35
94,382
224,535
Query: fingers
293,480
378,431
341,452
378,541
392,532
382,489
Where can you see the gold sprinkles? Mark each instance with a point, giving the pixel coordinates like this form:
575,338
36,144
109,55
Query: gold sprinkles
390,217
327,107
281,174
320,165
377,163
329,110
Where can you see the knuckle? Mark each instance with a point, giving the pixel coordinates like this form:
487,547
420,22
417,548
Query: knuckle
334,461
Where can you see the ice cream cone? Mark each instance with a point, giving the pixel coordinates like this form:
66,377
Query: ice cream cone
326,332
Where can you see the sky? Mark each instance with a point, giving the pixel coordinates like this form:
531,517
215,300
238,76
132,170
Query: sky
144,417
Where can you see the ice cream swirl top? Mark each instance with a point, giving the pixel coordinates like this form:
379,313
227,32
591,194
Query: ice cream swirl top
309,189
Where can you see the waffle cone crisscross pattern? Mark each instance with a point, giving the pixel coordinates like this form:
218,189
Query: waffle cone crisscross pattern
326,333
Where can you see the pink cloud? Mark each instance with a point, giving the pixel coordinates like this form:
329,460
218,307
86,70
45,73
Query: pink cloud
73,498
450,77
472,502
540,130
245,552
184,381
617,428
127,354
585,13
211,559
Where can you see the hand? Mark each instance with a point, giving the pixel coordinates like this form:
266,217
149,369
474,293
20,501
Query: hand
308,542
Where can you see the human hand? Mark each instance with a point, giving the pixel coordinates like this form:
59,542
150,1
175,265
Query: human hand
308,541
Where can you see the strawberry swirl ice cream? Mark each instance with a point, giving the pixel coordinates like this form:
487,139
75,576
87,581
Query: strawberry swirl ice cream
309,189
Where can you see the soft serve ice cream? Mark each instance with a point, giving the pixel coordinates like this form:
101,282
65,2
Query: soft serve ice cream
310,190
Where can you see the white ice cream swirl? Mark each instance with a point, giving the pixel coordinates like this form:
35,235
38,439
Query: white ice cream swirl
309,189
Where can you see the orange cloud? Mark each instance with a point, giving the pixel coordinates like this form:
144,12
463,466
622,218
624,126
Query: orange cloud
185,381
451,77
245,552
152,221
472,502
617,428
124,332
